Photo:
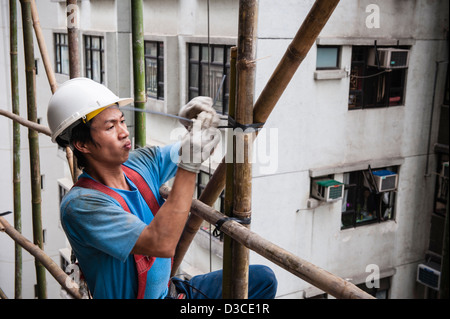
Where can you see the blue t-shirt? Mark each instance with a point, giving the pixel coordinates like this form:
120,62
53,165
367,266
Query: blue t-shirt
102,234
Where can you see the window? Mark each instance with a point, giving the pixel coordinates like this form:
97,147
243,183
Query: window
371,86
327,57
62,191
154,69
61,53
362,204
200,82
94,58
379,290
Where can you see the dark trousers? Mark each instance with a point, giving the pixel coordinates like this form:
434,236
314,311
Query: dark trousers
262,284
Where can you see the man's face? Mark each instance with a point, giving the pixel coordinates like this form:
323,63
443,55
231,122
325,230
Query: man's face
110,133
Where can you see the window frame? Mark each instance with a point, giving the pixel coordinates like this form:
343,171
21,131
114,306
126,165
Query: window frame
59,66
159,60
365,92
202,65
355,188
87,38
338,57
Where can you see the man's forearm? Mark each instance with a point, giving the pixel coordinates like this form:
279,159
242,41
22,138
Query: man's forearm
160,237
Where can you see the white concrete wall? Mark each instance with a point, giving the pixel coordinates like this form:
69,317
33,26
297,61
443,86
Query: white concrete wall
316,130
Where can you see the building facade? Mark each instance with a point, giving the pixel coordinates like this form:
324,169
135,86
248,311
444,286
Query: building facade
356,184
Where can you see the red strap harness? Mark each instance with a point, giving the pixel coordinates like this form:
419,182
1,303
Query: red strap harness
143,263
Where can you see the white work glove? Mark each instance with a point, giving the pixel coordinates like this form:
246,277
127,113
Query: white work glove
199,142
194,108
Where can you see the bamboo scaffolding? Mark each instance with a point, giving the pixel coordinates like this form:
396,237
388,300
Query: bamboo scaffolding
51,79
140,96
311,273
29,124
43,47
242,188
228,201
61,277
72,37
288,65
74,70
33,138
16,146
316,276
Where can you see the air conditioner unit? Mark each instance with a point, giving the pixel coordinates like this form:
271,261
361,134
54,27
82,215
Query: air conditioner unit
385,180
429,274
327,190
389,58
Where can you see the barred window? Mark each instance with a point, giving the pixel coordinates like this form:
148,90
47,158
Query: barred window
61,53
94,58
205,78
154,69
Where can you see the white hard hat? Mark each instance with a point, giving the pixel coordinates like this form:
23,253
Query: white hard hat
75,100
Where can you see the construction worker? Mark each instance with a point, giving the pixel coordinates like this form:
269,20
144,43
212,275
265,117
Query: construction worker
120,229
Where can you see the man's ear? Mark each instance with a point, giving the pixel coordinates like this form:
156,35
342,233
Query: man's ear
82,147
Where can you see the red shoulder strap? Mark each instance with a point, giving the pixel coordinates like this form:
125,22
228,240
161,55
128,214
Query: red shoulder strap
86,182
143,188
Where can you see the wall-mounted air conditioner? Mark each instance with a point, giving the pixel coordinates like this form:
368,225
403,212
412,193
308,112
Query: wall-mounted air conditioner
385,180
327,190
389,58
429,274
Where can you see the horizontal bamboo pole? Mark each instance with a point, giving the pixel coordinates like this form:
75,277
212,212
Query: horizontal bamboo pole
32,125
61,277
305,270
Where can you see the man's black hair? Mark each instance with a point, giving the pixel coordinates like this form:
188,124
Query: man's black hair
81,132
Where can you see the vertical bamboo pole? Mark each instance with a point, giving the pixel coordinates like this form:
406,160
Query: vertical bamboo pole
242,188
228,204
444,290
33,138
74,69
72,35
295,54
51,79
42,47
16,147
140,97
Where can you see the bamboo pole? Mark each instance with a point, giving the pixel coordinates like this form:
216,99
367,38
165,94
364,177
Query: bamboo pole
228,201
444,286
16,147
242,188
33,138
72,36
295,54
74,171
29,124
2,294
61,277
43,47
74,70
305,270
140,96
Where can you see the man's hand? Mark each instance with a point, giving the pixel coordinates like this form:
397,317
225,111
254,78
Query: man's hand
199,142
196,106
